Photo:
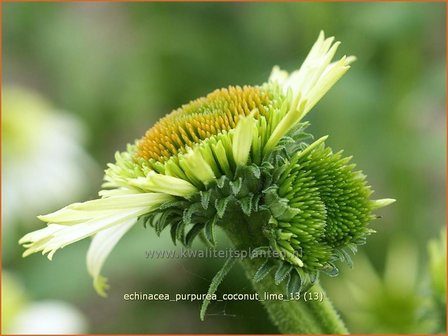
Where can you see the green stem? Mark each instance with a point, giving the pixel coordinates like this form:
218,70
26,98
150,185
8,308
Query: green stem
291,317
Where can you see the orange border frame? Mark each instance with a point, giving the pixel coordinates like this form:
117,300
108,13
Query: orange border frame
221,1
217,1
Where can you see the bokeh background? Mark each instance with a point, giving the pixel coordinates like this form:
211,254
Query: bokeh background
82,80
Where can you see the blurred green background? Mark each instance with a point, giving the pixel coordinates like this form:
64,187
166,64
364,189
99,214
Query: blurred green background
114,69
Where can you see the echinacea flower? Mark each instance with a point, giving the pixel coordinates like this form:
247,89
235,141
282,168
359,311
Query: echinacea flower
21,315
239,151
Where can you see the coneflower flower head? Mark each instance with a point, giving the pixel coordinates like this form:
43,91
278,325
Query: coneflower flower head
236,152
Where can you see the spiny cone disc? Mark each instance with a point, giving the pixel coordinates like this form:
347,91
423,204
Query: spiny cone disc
200,119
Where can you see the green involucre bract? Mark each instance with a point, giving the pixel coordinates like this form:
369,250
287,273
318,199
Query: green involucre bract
315,206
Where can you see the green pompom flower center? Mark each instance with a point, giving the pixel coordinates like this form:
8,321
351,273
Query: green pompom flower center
320,206
343,192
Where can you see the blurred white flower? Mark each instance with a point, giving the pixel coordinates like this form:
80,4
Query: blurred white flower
13,299
49,317
20,316
43,162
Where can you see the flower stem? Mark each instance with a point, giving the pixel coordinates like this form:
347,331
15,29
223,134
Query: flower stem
290,316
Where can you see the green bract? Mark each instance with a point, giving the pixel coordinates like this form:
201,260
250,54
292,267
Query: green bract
315,209
220,161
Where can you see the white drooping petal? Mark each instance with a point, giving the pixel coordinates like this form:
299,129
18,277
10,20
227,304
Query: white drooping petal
170,185
381,203
35,240
81,220
329,77
117,192
100,248
64,235
242,139
309,84
317,74
296,110
80,212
